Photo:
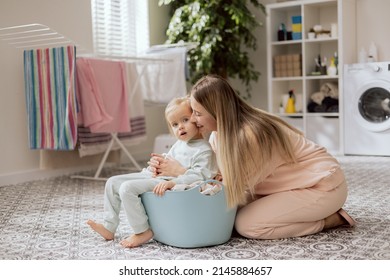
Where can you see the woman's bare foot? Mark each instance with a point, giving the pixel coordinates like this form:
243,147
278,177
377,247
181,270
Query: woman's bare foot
136,240
339,218
333,221
99,228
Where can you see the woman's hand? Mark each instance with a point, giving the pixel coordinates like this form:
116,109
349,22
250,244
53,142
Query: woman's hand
218,177
165,166
160,188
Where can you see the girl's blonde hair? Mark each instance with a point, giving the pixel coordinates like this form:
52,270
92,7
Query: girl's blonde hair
173,104
246,136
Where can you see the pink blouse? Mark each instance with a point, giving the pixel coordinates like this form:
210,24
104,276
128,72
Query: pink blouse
314,167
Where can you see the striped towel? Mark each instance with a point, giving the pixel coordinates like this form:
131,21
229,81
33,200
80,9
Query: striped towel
49,76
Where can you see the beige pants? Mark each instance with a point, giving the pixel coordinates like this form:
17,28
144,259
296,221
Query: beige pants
292,213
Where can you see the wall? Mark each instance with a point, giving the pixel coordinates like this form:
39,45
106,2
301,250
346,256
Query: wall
259,59
373,28
73,19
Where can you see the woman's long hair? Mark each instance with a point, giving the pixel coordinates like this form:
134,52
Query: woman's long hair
246,139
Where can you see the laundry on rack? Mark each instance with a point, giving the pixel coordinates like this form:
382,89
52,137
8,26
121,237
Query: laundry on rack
89,95
161,82
102,95
135,99
49,76
136,108
95,143
90,143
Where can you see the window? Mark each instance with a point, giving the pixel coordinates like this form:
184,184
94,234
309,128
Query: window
120,27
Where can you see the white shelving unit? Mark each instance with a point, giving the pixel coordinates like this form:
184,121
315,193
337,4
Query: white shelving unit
324,128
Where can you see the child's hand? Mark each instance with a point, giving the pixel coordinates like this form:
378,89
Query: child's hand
166,166
160,188
154,163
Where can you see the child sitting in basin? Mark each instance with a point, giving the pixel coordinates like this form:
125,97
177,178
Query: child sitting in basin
190,149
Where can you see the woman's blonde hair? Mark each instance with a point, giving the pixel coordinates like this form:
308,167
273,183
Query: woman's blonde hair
246,136
173,104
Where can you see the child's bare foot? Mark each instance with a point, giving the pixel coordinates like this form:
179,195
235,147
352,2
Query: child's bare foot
99,228
136,240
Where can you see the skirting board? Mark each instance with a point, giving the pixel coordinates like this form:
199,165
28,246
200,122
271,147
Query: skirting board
38,174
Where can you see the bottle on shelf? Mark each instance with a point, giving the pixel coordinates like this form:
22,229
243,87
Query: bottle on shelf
282,32
362,55
332,69
290,107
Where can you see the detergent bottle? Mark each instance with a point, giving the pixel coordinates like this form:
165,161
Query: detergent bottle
290,107
332,70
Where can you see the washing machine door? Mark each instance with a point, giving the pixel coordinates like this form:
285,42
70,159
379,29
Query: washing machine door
372,106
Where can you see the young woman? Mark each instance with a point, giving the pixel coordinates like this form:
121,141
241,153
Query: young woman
284,184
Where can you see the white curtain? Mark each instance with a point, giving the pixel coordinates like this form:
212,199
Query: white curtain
120,27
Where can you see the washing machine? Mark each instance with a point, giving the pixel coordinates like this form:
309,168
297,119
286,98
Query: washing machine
367,109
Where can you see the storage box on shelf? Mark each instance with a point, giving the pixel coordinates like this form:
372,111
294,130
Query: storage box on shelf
296,27
287,65
308,76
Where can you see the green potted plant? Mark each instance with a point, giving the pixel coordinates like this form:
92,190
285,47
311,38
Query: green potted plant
223,31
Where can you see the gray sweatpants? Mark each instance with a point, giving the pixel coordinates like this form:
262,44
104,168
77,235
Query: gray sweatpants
126,189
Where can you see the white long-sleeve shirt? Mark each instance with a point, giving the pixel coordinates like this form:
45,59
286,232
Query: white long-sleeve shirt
197,157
